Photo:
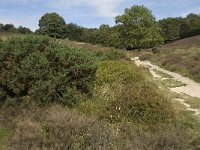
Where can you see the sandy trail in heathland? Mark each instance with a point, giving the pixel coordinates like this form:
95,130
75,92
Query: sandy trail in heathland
190,87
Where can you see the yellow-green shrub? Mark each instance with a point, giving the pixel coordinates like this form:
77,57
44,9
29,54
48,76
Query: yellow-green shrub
126,94
115,72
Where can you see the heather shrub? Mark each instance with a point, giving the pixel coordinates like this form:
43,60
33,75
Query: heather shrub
126,94
28,135
37,68
70,130
164,138
185,62
59,128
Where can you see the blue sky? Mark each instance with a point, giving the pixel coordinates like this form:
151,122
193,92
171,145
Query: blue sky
88,13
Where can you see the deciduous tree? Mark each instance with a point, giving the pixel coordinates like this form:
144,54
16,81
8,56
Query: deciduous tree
52,24
139,28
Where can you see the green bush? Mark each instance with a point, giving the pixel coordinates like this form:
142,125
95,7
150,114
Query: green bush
128,95
39,69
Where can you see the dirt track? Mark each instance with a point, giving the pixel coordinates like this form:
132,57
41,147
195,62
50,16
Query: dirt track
191,88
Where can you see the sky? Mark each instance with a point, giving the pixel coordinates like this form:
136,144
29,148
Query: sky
88,13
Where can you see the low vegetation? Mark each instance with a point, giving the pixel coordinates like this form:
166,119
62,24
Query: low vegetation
171,83
183,61
180,56
59,94
54,96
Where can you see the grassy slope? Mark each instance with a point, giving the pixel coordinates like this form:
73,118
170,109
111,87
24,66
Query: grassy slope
30,117
182,56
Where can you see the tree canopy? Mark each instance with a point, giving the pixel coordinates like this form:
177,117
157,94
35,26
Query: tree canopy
179,28
139,28
135,29
171,28
52,24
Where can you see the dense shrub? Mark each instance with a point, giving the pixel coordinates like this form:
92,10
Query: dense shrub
128,95
39,69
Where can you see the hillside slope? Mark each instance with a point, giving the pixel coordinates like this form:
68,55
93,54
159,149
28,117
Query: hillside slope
181,56
88,100
190,42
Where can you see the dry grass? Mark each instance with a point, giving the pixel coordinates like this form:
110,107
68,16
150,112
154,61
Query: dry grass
59,128
87,46
186,43
5,35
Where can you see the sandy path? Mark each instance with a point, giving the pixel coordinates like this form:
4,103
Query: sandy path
191,88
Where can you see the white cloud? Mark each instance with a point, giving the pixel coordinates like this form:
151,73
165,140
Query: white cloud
104,8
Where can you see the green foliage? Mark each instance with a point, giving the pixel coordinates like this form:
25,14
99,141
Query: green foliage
171,28
190,26
39,69
139,28
126,94
178,28
73,32
24,30
10,28
52,24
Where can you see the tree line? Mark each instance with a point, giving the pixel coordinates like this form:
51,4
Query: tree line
180,27
13,29
136,28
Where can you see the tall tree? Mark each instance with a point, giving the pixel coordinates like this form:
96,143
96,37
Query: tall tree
139,28
190,26
24,30
73,32
1,27
52,24
9,28
171,28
